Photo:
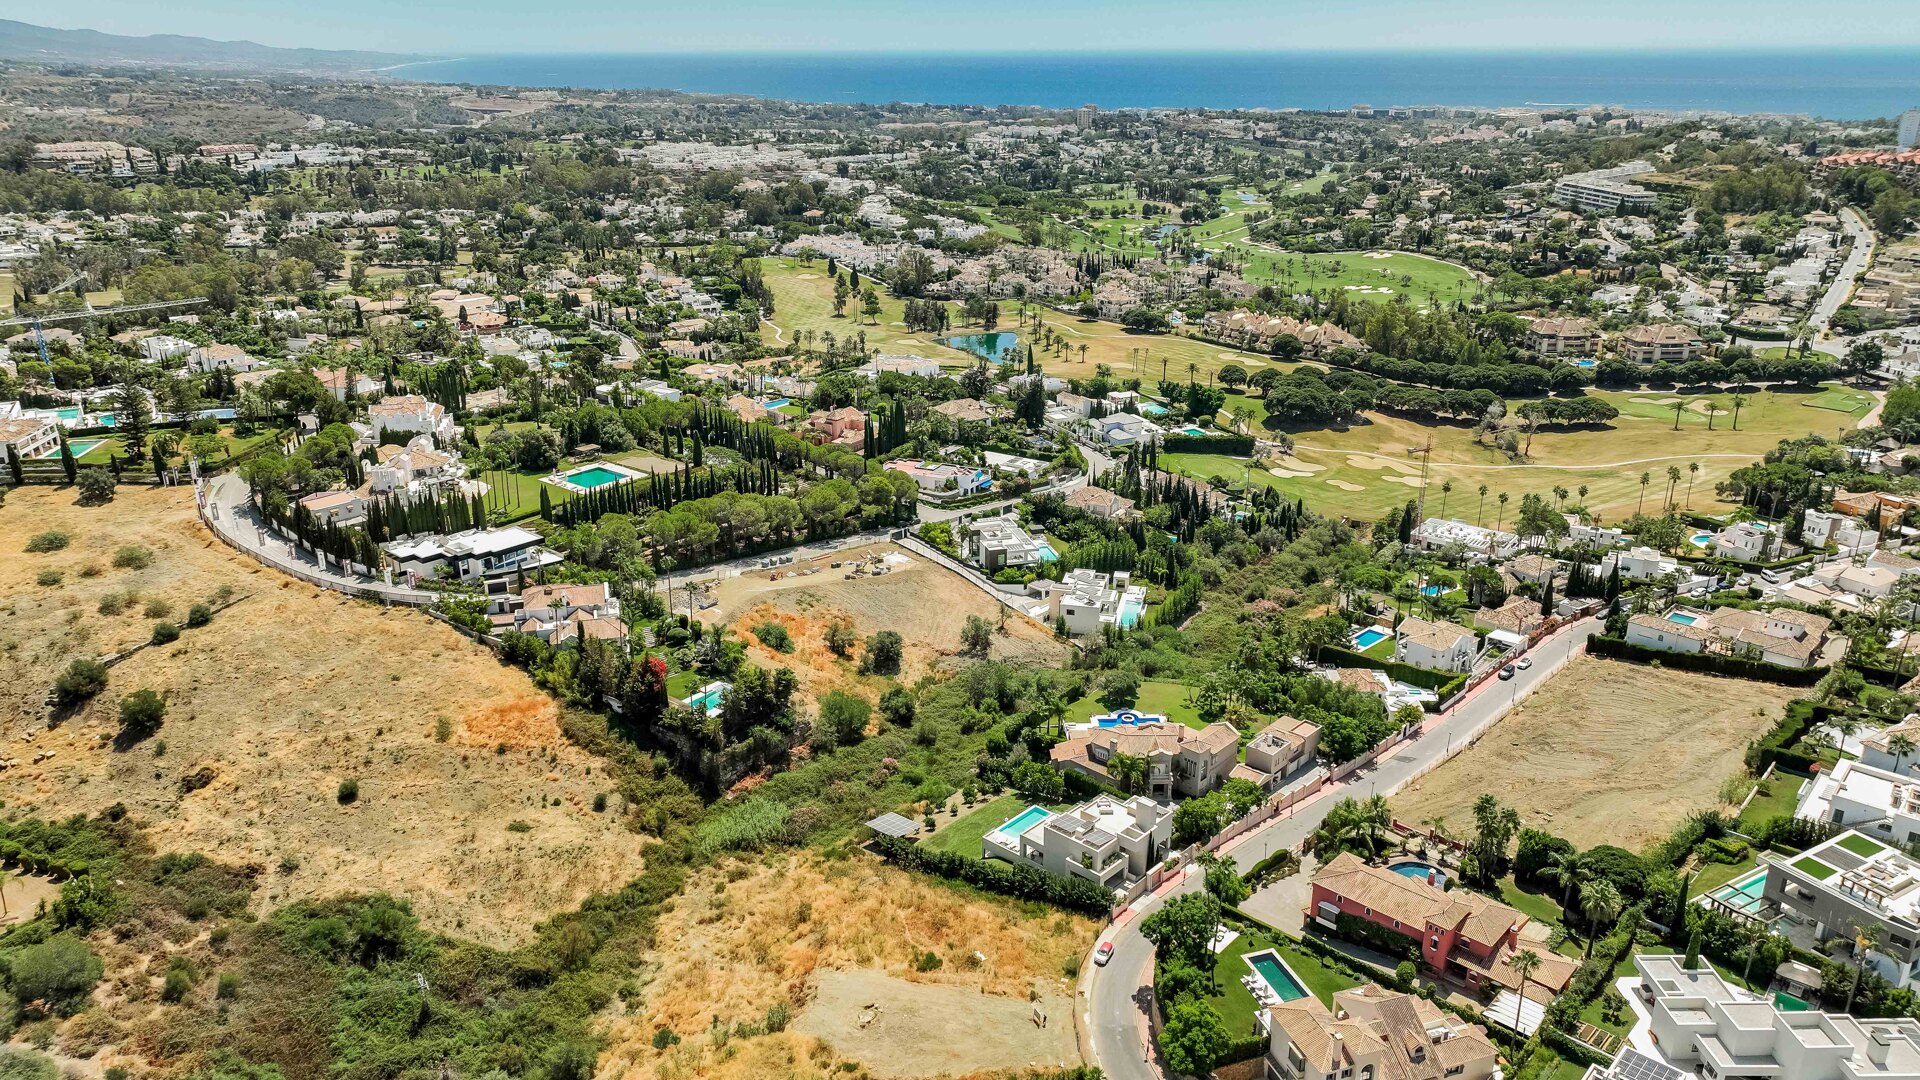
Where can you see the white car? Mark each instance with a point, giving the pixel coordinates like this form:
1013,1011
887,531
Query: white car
1103,954
1525,663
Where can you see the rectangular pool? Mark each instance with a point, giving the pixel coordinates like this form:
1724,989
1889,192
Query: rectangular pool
594,477
1682,618
1274,972
1024,820
1368,638
1743,896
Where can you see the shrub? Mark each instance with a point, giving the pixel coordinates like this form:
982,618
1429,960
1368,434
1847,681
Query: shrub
663,1038
199,615
96,486
518,826
927,961
50,578
348,791
157,608
600,802
774,636
81,681
51,540
60,971
228,987
114,603
884,651
132,557
142,711
165,633
1008,879
177,983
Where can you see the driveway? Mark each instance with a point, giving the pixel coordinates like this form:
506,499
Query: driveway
1116,996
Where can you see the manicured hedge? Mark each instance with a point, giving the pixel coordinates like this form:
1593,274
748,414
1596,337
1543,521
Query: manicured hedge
1776,746
1710,663
993,875
1230,445
1363,932
1406,673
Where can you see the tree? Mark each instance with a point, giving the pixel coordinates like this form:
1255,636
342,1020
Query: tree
1600,903
1645,479
1129,771
841,637
976,635
1524,964
884,651
1183,929
96,486
1119,689
1565,869
897,706
82,680
1223,880
844,717
1865,937
60,971
141,712
870,305
1194,1038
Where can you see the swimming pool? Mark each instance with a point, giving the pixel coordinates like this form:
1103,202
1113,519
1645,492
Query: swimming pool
1148,408
707,699
986,346
1125,718
1190,430
1702,539
1431,590
1743,896
1583,363
1368,638
1130,612
1046,553
1275,973
80,447
1682,618
594,477
1420,871
1024,820
775,403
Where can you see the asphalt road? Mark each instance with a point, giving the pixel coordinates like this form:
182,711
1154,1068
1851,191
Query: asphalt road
1857,261
1115,997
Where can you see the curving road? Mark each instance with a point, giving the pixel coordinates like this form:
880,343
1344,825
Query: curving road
1115,998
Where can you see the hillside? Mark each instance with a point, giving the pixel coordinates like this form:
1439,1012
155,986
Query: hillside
25,41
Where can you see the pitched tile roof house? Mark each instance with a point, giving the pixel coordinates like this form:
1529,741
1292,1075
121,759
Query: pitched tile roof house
1180,760
1376,1033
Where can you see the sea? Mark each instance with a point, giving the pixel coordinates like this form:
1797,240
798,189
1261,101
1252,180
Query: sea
1832,83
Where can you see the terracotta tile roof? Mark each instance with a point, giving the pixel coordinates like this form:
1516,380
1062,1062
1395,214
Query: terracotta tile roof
1415,903
1439,636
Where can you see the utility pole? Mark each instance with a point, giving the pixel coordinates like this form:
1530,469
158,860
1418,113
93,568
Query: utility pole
1426,460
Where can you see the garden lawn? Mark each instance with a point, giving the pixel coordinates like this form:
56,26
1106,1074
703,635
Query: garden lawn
963,835
1367,275
1168,699
1232,1001
1537,906
1235,471
1782,794
1715,874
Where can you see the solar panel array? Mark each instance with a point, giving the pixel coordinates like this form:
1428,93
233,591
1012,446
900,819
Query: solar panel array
1633,1065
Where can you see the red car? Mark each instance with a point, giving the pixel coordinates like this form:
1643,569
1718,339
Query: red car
1103,954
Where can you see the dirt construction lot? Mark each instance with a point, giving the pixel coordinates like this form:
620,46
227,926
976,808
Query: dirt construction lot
272,705
925,603
1606,753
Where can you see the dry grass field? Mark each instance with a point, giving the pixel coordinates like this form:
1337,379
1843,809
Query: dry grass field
1606,753
826,938
924,603
277,701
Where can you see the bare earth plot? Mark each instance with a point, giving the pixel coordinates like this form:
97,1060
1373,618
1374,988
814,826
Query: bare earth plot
925,603
1606,753
828,937
274,703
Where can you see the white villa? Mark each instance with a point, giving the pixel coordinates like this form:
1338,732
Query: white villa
552,612
1000,543
27,437
1122,429
415,465
1435,534
222,358
1781,636
409,415
1105,840
1745,542
1645,564
474,555
1701,1024
1843,531
1085,600
1877,801
1436,646
162,347
1852,880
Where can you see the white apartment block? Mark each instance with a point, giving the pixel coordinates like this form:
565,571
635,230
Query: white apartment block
1606,191
1105,840
1702,1024
162,347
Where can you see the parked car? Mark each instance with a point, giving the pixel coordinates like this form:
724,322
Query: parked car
1507,672
1103,954
1525,663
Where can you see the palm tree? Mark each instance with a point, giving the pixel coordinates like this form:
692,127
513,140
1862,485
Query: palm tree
1524,964
1582,492
1600,902
1673,481
1446,489
1481,514
1693,471
1502,516
1565,869
1645,479
1559,496
1375,821
1738,400
1899,745
1193,369
1864,939
1757,935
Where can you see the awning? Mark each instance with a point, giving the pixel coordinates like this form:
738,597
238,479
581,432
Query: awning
893,825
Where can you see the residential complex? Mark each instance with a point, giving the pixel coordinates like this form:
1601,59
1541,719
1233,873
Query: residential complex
1179,760
1087,600
1000,544
1850,881
1785,636
1377,1034
1443,534
1606,191
1660,343
1110,841
1700,1023
1563,336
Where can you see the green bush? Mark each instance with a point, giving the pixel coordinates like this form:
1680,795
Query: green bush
142,712
60,972
774,636
348,791
51,540
178,982
49,578
1008,879
81,681
199,615
96,486
132,557
165,633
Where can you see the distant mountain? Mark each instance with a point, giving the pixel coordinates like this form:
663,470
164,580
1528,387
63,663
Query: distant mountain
25,41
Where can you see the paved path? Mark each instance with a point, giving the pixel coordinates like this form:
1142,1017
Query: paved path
1115,997
232,517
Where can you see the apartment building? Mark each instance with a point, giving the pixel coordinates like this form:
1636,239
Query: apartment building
1702,1025
1660,343
1436,646
1377,1034
1113,842
1180,760
1606,191
1563,337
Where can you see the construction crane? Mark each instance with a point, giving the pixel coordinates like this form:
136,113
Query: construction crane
87,311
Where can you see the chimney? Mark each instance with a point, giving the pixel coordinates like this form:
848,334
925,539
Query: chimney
1879,1045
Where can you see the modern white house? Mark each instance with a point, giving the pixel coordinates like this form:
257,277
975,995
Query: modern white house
1784,636
1745,541
163,347
1848,882
474,555
656,388
1109,841
1645,564
1702,1025
1436,646
1880,802
1122,429
1086,600
1437,534
1000,543
942,480
222,358
1878,748
1843,531
27,437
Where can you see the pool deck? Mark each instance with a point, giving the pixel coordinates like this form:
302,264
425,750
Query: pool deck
562,481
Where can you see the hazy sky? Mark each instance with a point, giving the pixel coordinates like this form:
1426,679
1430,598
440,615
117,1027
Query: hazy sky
469,27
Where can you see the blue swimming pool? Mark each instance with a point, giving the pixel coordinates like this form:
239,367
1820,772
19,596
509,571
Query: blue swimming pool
1743,896
1583,363
1682,618
1275,973
80,447
1046,553
986,346
594,477
1024,820
708,698
1420,871
1130,612
1368,638
775,403
1190,430
1431,590
1148,408
1702,539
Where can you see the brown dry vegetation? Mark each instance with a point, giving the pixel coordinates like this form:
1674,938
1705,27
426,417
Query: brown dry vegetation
926,604
279,699
1606,753
748,936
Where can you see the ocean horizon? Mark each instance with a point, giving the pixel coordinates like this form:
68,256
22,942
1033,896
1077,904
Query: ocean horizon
1852,84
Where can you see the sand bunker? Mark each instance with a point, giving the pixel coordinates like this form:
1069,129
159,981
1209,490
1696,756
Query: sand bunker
1655,401
1344,486
1375,464
1288,474
1410,481
1294,464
